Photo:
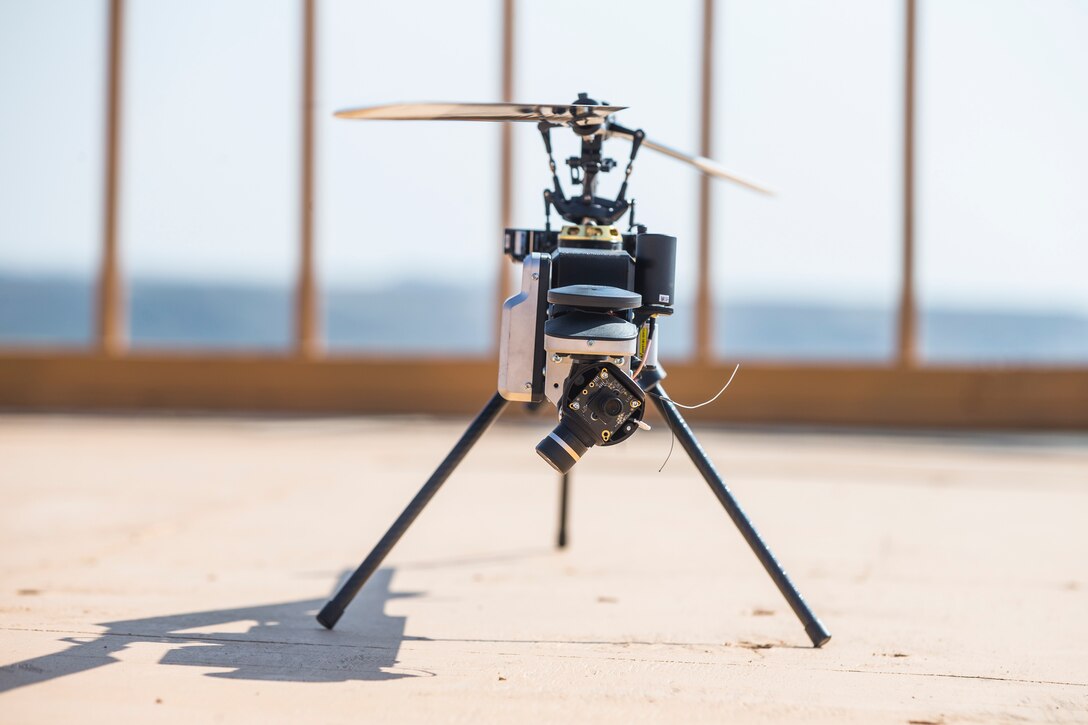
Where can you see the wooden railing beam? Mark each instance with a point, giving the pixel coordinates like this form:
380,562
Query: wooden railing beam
503,283
110,312
907,333
307,327
704,300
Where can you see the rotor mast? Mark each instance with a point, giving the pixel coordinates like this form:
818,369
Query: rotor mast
587,207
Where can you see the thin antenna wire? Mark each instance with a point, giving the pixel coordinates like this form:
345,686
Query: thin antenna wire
672,441
672,444
705,402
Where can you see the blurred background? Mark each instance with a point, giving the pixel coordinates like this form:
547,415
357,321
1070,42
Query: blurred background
184,224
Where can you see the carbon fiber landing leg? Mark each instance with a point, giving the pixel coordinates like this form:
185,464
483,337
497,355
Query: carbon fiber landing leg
332,611
564,503
813,628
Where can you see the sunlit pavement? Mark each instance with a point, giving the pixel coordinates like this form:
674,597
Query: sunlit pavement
169,569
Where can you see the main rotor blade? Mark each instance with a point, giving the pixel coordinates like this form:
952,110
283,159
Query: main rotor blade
707,166
564,114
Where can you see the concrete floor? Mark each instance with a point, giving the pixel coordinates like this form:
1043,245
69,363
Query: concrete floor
169,568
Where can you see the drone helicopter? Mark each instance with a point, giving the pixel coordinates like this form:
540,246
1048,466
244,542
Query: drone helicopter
582,332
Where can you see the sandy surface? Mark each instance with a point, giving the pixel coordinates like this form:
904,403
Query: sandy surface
167,570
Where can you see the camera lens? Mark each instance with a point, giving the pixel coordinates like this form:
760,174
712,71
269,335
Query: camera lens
561,448
607,403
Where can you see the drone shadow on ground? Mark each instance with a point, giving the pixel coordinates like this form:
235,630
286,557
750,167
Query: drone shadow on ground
283,643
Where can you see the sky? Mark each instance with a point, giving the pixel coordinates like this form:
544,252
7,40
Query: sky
807,100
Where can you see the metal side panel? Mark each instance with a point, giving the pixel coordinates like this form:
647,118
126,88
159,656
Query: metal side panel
520,336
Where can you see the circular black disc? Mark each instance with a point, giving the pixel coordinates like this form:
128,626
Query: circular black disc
595,295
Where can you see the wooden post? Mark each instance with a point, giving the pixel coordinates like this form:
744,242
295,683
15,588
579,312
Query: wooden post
907,341
504,287
704,302
307,329
110,332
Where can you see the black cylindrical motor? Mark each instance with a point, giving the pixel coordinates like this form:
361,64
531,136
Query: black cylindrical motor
655,270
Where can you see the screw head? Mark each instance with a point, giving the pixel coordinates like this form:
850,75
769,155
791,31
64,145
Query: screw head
590,343
556,358
635,403
528,386
575,405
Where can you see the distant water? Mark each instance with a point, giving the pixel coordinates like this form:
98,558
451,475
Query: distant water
426,317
